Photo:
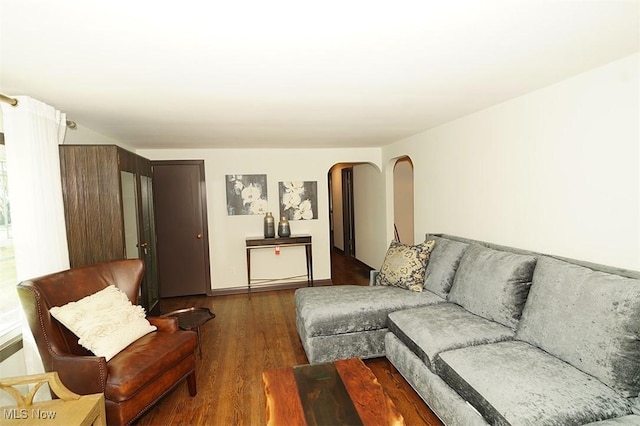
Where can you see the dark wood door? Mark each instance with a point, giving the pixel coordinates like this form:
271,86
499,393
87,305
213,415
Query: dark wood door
181,225
348,218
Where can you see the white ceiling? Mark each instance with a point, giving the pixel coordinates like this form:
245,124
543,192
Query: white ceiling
239,73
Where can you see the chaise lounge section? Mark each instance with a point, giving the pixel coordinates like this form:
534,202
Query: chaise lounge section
498,335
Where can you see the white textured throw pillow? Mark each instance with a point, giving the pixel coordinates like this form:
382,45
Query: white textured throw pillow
105,322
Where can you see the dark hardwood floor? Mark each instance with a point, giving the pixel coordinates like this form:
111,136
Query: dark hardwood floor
255,333
348,270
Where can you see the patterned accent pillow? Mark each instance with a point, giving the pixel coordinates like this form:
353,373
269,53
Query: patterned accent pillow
404,265
106,322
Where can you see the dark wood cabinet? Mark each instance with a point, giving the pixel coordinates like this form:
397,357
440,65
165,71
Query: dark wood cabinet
108,201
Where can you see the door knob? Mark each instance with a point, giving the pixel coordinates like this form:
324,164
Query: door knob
199,236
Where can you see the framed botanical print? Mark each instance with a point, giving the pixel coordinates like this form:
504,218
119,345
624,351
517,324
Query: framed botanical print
246,194
298,200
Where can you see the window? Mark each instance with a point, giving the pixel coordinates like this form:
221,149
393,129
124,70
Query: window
9,303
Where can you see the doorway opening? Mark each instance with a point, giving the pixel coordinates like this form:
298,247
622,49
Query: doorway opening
345,268
403,213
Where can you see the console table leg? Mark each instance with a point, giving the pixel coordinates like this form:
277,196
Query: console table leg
249,270
309,253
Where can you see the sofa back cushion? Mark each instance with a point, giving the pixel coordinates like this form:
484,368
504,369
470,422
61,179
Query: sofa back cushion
493,284
587,318
443,263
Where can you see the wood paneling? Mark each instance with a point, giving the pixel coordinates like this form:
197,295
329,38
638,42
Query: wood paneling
91,187
93,206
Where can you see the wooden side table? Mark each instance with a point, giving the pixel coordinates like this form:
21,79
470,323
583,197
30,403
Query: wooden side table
69,409
192,319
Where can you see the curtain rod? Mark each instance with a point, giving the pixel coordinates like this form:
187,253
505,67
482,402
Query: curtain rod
14,102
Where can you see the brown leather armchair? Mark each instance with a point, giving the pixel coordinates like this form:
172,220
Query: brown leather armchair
134,379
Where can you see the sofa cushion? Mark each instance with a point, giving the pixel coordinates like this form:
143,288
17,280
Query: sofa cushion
632,420
404,265
587,318
429,330
329,310
514,383
145,360
493,284
443,263
359,344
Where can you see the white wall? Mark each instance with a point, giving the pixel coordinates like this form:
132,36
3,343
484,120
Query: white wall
82,136
85,136
227,233
369,214
556,170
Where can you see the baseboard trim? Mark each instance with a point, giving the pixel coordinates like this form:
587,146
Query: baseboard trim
267,287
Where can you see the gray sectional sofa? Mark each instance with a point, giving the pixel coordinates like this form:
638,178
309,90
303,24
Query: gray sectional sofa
498,336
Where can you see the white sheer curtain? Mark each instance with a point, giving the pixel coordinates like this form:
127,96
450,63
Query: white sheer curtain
32,132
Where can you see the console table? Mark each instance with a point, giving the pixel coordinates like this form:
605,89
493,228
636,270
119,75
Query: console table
254,243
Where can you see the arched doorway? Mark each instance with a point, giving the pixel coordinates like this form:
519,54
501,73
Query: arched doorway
403,200
356,218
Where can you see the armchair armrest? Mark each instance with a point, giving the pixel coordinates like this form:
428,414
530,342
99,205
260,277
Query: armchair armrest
167,324
83,375
372,276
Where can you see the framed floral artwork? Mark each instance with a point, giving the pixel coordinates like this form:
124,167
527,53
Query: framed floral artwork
246,194
298,200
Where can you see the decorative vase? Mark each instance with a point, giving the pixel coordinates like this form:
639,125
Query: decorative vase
283,227
269,226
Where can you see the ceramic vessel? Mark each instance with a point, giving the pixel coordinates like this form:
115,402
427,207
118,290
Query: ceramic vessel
284,230
269,226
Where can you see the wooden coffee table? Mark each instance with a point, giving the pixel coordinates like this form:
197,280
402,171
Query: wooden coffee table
344,392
